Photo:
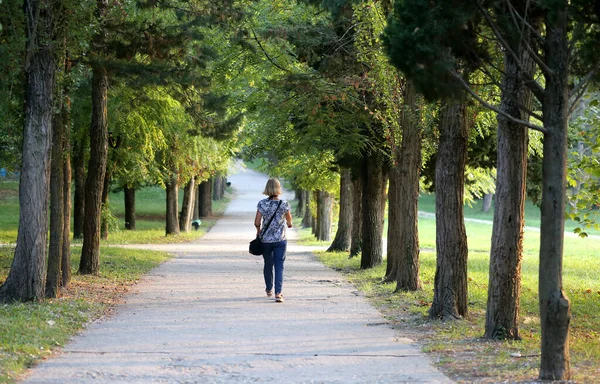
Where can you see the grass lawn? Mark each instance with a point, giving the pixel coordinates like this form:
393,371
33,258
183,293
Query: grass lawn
457,346
31,331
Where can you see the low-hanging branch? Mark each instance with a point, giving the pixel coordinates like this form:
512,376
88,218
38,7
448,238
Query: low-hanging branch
579,90
511,96
265,52
495,109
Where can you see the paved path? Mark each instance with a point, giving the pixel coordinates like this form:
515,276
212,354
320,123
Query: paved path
202,317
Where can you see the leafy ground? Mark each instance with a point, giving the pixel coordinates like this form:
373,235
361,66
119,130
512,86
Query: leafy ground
32,331
457,346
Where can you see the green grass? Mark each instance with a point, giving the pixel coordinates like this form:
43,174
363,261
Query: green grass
457,345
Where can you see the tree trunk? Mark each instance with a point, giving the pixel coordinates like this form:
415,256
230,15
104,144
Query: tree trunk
504,288
300,207
341,242
488,198
54,270
105,208
217,188
307,219
172,224
187,208
357,213
129,199
316,223
407,276
324,213
394,228
373,210
205,199
90,252
66,253
79,195
450,290
25,280
555,311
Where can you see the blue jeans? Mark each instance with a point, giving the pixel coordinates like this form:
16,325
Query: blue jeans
274,256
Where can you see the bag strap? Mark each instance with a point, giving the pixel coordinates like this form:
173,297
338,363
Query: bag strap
271,219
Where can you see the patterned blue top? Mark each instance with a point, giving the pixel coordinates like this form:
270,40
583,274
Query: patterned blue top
276,231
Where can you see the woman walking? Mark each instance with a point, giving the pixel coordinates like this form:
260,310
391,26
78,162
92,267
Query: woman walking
273,238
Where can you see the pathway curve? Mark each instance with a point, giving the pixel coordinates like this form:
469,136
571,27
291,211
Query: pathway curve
202,317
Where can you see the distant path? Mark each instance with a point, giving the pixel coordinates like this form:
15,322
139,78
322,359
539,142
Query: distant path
203,317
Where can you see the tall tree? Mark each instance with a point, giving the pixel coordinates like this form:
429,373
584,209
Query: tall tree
409,162
450,290
90,252
504,288
436,48
341,242
25,280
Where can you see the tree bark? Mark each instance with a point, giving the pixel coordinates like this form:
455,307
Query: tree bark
450,290
129,199
488,198
373,210
555,311
217,188
187,208
25,281
90,252
66,253
300,207
54,269
172,193
357,213
407,276
504,288
205,199
394,228
79,195
105,208
341,242
307,219
324,213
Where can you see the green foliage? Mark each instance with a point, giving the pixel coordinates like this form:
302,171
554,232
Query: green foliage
584,166
12,81
427,41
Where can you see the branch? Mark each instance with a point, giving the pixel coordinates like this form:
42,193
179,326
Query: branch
535,32
579,90
511,96
265,52
543,67
497,110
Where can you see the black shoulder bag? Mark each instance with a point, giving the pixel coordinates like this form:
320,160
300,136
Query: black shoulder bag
256,245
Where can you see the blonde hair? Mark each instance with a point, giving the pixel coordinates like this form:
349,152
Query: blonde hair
273,188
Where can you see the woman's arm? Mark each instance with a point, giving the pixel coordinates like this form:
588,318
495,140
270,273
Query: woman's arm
257,221
288,219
